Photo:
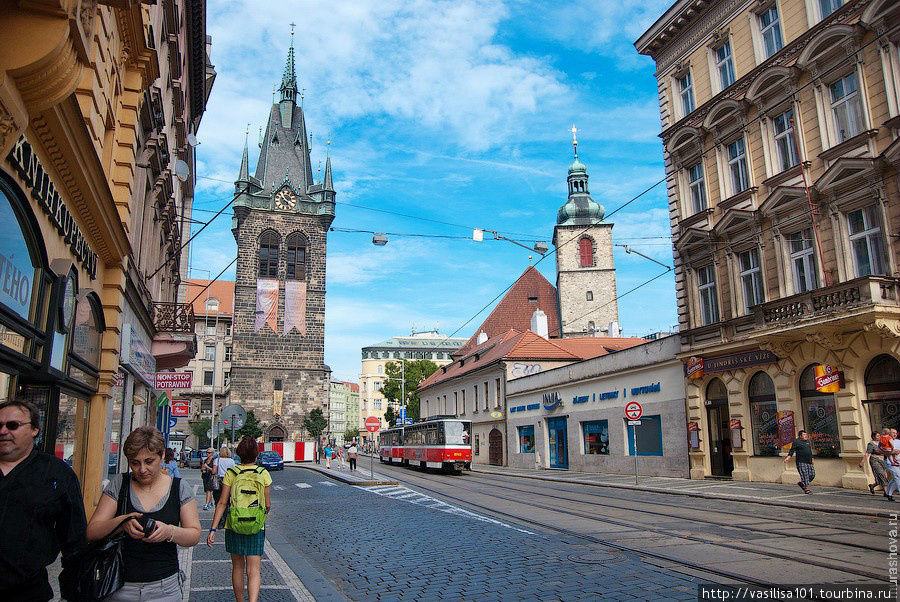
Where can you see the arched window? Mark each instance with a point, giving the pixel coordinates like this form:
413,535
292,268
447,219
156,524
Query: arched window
586,252
819,416
716,393
268,254
295,257
883,392
764,415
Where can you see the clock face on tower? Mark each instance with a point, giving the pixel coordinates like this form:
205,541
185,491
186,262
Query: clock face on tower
285,200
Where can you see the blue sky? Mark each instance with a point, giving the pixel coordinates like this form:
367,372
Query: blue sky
457,112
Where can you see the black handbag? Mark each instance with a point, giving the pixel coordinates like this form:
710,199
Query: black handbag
99,570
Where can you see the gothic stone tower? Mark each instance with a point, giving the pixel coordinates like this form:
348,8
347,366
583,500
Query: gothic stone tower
585,275
281,220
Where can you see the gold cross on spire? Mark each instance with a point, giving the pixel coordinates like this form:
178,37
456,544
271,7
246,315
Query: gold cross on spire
293,25
574,131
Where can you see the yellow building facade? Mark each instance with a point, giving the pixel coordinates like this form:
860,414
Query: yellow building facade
780,123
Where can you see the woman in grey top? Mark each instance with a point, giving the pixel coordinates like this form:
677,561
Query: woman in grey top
876,462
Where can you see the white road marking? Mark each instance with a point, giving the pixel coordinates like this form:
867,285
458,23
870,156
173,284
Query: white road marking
279,487
290,578
404,494
303,485
327,483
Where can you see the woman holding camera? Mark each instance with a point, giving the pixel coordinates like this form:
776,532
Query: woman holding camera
160,514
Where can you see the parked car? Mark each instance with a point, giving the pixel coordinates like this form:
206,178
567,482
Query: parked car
270,460
195,459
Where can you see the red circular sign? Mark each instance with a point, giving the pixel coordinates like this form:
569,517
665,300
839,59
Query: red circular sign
373,424
633,410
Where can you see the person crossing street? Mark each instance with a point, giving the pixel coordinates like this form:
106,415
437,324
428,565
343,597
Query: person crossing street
802,449
352,453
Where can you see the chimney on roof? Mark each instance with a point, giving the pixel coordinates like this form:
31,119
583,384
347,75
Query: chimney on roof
539,324
613,329
482,338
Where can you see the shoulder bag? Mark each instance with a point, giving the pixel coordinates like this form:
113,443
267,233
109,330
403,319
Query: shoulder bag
99,570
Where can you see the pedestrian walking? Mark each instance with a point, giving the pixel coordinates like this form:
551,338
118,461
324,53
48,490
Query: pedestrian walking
874,456
248,487
207,474
162,515
802,449
894,469
352,453
31,480
328,453
319,452
222,464
171,464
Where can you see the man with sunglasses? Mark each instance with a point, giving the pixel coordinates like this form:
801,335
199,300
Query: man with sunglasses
41,509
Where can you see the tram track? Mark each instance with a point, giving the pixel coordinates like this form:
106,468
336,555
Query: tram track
415,481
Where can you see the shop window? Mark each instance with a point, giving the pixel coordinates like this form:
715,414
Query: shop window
649,437
84,360
19,258
526,439
883,392
596,437
764,415
820,416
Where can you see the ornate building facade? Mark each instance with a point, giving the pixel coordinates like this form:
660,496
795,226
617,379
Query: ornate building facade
281,220
780,130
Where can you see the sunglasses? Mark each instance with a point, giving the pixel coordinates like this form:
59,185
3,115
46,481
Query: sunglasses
13,425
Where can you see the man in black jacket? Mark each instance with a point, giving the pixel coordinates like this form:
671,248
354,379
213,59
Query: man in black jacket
802,449
41,509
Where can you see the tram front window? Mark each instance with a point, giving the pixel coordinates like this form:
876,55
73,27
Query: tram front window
457,433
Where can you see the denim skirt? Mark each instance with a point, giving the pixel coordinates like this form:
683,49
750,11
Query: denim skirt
245,545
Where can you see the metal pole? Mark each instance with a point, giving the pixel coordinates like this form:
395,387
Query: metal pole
634,431
215,352
372,464
403,385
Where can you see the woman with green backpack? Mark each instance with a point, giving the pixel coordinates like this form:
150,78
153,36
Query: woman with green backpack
246,490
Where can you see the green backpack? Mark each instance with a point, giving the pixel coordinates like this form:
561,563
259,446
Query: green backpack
247,511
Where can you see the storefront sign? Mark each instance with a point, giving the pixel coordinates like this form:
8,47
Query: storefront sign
551,401
181,408
635,391
695,368
136,354
29,168
173,380
744,359
785,428
828,379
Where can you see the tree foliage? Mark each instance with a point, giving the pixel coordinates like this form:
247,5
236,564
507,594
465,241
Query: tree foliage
251,427
351,433
390,417
315,422
199,429
416,371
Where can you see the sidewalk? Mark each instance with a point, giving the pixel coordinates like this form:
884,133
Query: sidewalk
824,499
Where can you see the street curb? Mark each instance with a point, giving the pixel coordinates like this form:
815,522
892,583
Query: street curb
726,497
318,584
342,478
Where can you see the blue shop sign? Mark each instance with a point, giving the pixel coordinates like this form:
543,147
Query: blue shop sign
654,388
552,401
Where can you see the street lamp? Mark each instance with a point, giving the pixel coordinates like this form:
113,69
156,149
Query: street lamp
539,247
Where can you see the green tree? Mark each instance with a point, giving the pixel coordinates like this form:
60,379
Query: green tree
390,417
351,433
416,371
200,428
251,427
315,422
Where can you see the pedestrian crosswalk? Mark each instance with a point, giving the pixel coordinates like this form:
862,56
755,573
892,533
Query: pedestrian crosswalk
414,497
303,485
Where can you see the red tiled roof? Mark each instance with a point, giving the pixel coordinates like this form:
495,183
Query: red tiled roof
515,309
590,347
221,290
510,345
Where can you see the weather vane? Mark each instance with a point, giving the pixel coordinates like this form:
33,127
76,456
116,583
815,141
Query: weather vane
574,131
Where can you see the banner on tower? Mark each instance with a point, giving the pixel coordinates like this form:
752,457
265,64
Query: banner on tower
266,304
295,306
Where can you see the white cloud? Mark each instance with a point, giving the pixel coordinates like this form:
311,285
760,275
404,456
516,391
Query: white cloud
639,231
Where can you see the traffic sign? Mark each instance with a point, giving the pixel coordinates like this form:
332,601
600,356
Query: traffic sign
172,421
235,414
633,410
373,424
181,408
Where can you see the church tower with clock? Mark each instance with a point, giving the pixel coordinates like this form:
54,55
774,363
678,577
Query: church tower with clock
281,220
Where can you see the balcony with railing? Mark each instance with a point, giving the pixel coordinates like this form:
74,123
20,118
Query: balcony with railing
830,304
175,343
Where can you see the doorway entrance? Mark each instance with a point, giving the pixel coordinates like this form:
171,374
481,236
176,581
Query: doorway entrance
495,448
721,462
558,439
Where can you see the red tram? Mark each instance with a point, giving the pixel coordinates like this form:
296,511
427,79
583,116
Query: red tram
439,442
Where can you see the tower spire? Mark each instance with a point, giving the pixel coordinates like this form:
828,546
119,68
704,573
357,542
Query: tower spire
244,176
328,184
288,86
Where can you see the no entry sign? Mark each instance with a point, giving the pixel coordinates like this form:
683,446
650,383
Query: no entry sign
633,410
373,424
